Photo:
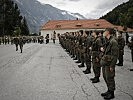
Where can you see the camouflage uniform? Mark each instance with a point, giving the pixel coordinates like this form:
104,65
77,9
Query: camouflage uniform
21,42
0,40
88,54
108,62
16,42
121,44
96,45
131,47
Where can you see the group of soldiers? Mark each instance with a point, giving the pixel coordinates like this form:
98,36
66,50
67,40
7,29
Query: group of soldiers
96,49
21,40
27,39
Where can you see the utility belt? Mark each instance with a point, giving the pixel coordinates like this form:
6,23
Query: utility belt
106,60
95,54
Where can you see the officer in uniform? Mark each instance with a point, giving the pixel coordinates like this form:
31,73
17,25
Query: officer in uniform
54,37
88,53
108,63
131,47
47,38
21,42
81,49
96,45
78,53
16,42
121,44
0,40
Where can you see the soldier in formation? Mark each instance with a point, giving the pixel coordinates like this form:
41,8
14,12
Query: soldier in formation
121,44
0,40
87,54
96,45
93,49
131,47
108,63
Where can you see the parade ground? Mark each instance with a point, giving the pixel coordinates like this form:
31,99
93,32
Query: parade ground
47,72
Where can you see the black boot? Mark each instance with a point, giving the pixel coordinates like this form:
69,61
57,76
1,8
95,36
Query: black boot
92,78
110,95
81,65
119,64
104,94
96,80
72,56
87,71
131,69
78,61
75,58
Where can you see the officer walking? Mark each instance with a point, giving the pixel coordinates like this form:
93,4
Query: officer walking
21,42
108,63
16,42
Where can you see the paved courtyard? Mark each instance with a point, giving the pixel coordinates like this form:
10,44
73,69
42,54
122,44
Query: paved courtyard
47,72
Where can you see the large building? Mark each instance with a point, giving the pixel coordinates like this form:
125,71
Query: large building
62,26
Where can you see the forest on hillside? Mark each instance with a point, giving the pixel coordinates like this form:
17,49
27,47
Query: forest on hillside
121,15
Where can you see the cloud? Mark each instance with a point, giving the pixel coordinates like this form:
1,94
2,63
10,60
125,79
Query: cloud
61,4
75,0
104,7
110,4
88,8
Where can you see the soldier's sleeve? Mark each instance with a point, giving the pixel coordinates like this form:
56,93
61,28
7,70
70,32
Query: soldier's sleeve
123,43
99,43
114,53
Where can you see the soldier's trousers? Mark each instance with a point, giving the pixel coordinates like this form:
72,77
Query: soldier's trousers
16,46
82,57
88,61
120,58
132,54
96,68
78,55
109,77
21,48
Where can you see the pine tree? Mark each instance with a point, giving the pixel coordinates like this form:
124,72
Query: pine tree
10,17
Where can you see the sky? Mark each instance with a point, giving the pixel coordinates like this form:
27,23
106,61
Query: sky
88,8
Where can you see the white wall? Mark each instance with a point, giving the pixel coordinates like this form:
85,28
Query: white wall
50,32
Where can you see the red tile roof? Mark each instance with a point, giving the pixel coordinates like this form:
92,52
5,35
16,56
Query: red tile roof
120,28
77,24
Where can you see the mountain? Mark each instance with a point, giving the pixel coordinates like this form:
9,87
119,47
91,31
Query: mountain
37,13
121,15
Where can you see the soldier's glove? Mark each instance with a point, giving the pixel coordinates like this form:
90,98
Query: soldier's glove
102,49
97,60
90,48
111,69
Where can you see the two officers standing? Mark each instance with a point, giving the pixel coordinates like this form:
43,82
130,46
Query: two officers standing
19,41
